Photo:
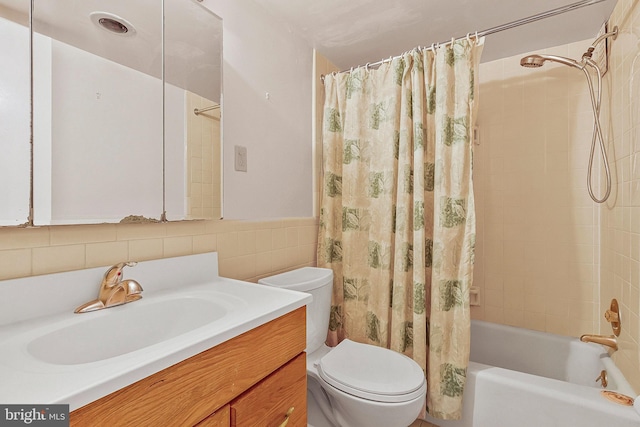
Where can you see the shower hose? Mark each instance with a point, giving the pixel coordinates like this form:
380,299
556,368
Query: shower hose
597,133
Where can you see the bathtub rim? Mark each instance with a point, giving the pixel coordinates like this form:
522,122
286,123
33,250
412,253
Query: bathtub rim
613,371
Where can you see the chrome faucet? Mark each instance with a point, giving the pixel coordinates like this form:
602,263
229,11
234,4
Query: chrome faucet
114,290
606,340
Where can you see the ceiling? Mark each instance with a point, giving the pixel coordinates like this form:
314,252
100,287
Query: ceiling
349,33
354,32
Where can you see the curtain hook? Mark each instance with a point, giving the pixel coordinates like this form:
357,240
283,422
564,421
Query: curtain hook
433,47
469,37
452,41
476,36
366,67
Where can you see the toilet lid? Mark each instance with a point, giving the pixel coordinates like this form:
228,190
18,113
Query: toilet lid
372,373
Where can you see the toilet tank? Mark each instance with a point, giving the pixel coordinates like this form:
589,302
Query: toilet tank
319,283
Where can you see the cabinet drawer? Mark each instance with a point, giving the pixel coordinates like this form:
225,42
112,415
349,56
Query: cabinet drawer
266,404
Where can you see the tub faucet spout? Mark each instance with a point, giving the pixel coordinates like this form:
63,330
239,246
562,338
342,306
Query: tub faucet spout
606,340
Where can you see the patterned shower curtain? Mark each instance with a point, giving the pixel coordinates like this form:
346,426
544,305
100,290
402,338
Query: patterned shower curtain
397,222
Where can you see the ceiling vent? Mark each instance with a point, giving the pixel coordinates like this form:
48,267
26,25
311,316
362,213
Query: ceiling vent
112,23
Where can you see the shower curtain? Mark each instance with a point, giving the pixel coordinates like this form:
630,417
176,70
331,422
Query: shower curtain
397,222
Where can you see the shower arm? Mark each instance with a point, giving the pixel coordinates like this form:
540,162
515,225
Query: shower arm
589,53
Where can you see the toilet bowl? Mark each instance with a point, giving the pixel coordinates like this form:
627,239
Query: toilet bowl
352,384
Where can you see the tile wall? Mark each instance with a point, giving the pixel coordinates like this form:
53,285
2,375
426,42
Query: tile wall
203,159
248,250
548,258
537,251
620,220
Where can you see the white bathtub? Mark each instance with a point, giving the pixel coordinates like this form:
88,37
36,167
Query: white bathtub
523,378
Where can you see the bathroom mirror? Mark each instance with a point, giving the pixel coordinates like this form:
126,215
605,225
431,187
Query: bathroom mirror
15,113
193,86
111,138
97,110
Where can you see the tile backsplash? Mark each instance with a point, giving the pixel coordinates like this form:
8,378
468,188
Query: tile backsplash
247,250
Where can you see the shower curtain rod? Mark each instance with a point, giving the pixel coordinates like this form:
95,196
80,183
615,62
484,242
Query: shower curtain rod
533,18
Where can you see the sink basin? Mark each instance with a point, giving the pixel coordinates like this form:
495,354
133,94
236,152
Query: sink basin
49,354
120,330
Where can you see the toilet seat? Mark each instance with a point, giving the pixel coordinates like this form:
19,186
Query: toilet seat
372,373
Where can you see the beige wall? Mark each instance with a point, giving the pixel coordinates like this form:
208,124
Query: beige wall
548,258
537,260
267,109
620,220
247,250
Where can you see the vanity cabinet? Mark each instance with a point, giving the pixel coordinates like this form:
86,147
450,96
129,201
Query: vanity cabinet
248,381
281,396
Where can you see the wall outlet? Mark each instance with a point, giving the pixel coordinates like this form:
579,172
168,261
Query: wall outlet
240,158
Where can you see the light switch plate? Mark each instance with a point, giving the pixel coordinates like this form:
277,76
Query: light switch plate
240,158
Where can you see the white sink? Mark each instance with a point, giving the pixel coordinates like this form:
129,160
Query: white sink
123,329
61,357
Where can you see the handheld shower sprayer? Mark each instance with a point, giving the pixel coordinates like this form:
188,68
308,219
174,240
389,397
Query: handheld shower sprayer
537,60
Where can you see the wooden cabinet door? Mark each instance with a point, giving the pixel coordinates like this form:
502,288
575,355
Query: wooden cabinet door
220,418
267,403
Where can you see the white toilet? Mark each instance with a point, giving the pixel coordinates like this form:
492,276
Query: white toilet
352,384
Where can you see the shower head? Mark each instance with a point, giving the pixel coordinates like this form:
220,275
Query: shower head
536,61
532,61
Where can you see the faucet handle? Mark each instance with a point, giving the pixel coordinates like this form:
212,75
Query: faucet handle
113,275
122,265
613,316
603,379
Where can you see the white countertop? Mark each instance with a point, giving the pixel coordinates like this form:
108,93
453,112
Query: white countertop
27,379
